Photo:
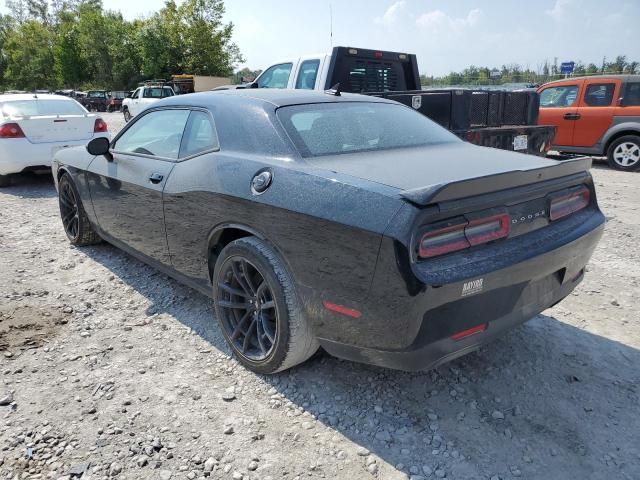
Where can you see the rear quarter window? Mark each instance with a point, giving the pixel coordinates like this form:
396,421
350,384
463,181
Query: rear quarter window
631,95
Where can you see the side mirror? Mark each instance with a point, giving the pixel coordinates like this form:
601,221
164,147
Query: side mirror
253,85
100,146
620,102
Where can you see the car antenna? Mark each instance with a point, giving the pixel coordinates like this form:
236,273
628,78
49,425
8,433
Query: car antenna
335,90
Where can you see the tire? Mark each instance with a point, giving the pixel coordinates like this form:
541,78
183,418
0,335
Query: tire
5,181
624,153
76,224
286,339
127,115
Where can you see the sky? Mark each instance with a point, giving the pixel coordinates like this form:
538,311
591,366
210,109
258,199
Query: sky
446,35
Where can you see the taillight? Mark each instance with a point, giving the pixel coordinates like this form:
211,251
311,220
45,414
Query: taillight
463,234
443,240
100,126
564,205
11,130
487,229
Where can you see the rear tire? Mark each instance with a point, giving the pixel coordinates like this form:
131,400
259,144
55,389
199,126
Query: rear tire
76,224
127,115
5,181
258,308
624,153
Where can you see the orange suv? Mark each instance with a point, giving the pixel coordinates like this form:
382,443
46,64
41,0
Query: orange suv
595,116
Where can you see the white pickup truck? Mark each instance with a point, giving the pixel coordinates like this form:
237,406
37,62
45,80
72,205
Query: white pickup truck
142,97
499,118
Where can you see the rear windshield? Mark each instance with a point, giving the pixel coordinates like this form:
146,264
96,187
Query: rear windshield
158,92
24,108
97,95
335,128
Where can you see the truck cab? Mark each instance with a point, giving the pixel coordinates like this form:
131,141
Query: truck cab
500,119
298,73
144,96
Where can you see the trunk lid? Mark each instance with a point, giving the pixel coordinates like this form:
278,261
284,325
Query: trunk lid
58,128
450,170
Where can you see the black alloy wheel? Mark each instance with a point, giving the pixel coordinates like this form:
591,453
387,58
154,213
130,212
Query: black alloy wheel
258,309
76,224
69,211
248,308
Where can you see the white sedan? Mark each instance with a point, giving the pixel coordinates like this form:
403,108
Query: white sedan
33,127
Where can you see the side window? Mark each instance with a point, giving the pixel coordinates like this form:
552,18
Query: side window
167,92
631,96
599,94
199,136
307,75
559,97
276,76
157,133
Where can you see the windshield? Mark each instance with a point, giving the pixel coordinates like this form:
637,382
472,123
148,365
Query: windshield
25,108
335,128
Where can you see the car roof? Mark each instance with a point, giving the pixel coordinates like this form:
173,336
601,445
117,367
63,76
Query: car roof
275,96
624,78
32,96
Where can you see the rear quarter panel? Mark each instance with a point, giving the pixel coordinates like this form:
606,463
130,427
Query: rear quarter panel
327,230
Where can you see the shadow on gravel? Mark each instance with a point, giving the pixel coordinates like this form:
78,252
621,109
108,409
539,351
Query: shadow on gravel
547,400
31,185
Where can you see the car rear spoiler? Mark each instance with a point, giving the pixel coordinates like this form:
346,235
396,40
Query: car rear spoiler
492,183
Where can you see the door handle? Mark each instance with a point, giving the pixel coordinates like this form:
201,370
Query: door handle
156,178
571,116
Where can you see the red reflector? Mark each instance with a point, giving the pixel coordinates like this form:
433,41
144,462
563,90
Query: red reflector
567,204
11,130
100,126
487,229
377,54
349,312
472,331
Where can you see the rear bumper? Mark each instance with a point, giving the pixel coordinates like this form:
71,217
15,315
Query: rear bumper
19,154
414,331
539,137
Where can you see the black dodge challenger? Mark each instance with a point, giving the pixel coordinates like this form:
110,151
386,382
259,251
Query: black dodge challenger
342,221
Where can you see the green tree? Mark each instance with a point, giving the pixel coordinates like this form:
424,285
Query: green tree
208,49
7,25
29,56
69,63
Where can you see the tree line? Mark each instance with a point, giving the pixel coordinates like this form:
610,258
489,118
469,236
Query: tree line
544,72
77,44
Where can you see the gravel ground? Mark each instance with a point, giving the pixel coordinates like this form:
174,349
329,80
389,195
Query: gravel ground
111,369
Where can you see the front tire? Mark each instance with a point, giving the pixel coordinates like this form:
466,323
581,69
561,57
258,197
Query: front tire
127,115
258,308
624,153
5,181
76,224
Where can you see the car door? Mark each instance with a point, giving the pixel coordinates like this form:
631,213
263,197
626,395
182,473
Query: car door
134,106
185,211
595,110
559,107
127,190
